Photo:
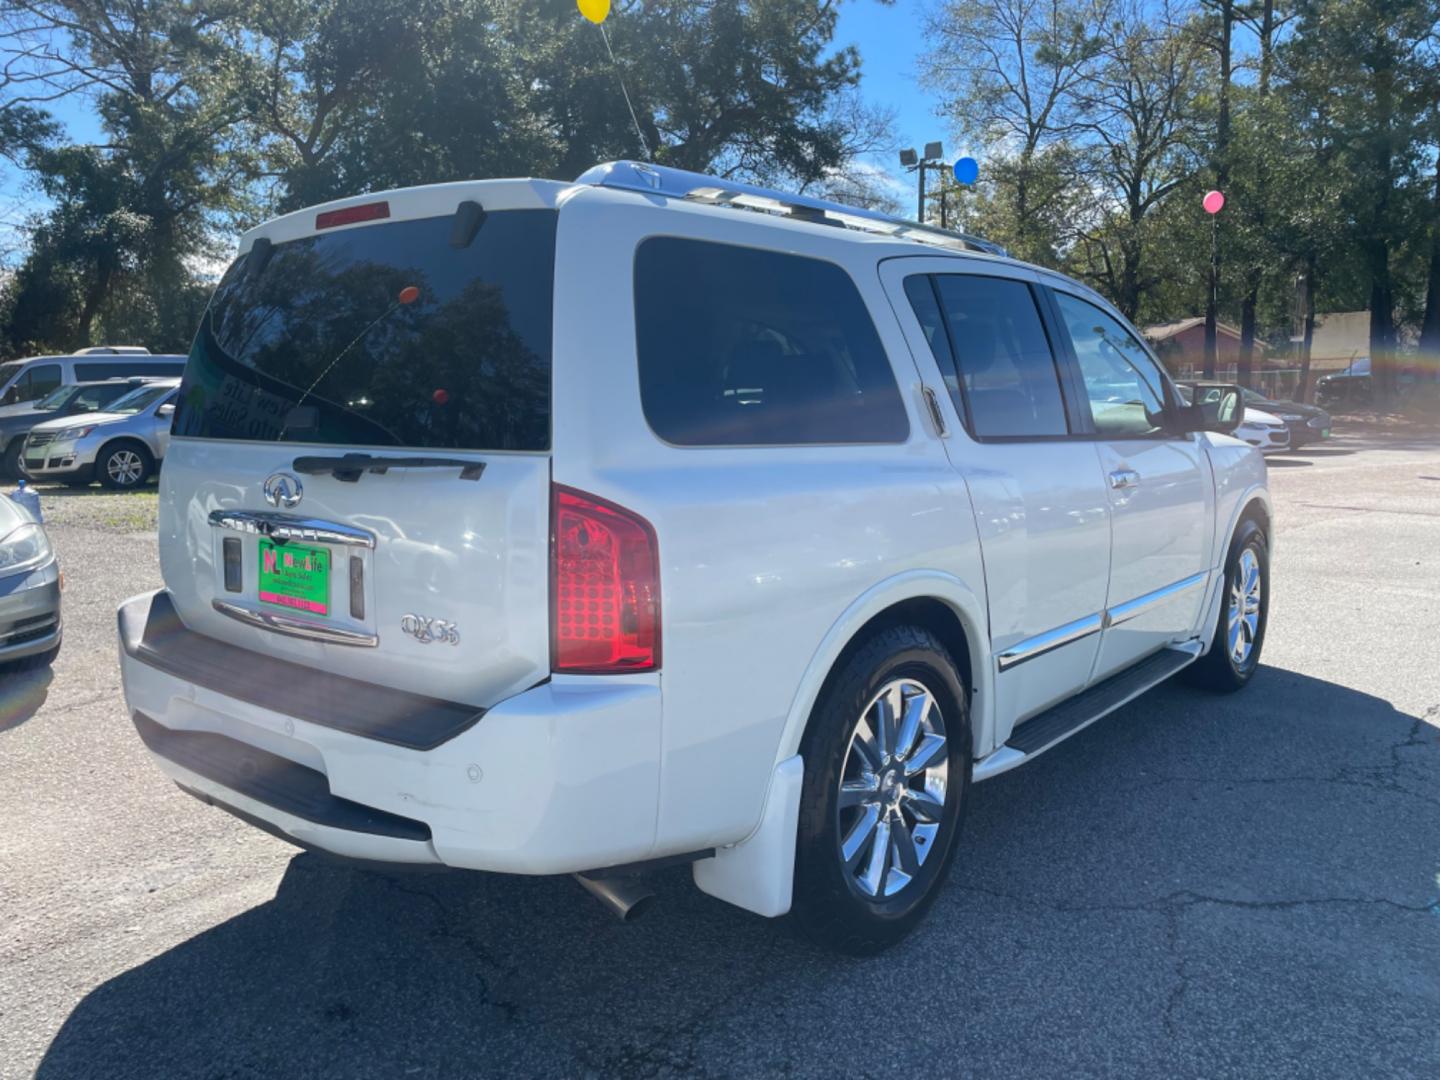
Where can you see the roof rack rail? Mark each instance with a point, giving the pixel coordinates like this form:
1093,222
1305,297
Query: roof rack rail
716,191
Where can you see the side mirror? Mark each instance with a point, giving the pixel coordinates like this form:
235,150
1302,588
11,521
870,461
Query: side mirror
1218,407
167,410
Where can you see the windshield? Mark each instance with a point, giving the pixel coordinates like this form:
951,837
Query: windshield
57,398
136,400
1253,397
385,335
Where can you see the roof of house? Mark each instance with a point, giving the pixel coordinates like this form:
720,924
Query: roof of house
1161,331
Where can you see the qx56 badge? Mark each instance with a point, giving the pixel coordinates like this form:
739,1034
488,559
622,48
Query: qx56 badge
426,630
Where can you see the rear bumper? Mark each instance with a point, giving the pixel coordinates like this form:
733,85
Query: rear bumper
30,613
561,778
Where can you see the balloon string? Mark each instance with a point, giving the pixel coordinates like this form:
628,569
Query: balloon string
633,118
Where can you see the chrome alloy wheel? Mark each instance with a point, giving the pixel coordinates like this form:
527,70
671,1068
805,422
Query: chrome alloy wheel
1243,618
125,468
892,789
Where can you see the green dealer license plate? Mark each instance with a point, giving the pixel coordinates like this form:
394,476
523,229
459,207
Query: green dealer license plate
295,577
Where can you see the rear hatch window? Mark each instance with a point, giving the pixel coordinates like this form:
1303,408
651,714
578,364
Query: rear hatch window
382,336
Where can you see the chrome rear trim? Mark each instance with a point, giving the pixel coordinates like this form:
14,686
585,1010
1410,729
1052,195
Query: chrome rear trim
284,624
284,527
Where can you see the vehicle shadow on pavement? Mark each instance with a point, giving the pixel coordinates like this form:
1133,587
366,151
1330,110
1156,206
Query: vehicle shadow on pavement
21,695
1247,881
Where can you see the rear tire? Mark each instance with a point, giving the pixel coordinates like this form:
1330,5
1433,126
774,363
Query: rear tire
124,466
887,772
1239,632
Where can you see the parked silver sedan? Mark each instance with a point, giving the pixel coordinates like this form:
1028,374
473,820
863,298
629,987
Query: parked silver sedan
29,591
120,447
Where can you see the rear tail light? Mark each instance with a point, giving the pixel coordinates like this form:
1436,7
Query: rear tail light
604,587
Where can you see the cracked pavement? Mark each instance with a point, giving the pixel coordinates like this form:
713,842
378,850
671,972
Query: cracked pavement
1196,886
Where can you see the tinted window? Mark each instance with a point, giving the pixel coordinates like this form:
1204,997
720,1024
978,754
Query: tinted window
35,383
738,346
1125,388
137,400
119,369
1005,368
95,398
385,335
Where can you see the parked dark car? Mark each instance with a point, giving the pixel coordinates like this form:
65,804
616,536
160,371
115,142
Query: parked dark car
1307,423
73,400
1348,387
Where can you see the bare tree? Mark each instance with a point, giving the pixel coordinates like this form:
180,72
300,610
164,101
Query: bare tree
1139,117
1013,73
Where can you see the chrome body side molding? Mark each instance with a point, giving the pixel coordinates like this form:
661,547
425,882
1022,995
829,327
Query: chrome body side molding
1131,608
1041,644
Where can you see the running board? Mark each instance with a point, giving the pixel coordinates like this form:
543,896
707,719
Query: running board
1059,722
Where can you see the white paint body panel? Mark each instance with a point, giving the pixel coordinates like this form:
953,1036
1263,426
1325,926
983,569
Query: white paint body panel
771,561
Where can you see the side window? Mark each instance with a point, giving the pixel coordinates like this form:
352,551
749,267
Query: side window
1006,381
37,382
1125,389
93,372
743,347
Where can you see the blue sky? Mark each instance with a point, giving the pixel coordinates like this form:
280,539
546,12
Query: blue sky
888,37
890,41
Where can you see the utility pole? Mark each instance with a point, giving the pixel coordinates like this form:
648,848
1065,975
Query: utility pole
909,159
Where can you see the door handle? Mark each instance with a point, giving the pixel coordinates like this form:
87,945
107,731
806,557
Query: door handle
932,403
1124,478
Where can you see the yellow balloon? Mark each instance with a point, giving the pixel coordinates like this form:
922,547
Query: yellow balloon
594,10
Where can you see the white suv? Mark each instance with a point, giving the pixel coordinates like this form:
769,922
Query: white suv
584,528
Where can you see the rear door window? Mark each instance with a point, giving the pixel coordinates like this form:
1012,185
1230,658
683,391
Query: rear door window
386,335
743,347
993,354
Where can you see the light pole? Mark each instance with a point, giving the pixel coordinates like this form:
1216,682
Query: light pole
913,162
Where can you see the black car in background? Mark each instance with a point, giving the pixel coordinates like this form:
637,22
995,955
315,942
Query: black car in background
1307,423
17,420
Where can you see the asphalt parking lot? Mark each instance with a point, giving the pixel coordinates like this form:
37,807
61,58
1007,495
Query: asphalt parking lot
1198,886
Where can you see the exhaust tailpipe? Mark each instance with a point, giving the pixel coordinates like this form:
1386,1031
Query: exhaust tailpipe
627,898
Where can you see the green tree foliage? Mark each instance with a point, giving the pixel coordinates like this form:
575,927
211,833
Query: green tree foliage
217,114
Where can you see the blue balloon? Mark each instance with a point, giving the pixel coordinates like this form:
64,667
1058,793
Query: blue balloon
967,170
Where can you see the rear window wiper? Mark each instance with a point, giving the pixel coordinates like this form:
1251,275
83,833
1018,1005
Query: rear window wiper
350,467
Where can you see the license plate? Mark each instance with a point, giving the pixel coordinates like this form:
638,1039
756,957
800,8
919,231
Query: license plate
295,577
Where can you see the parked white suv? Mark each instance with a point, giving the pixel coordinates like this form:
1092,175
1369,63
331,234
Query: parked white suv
582,528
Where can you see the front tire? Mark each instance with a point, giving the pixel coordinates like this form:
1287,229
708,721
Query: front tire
124,466
10,460
887,772
1239,631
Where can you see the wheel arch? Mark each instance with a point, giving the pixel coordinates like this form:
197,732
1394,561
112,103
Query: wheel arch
1258,510
117,441
939,602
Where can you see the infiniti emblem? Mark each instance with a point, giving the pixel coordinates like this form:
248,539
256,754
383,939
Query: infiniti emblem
283,490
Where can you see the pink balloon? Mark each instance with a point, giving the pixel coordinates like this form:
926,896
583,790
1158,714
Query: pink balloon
1213,202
